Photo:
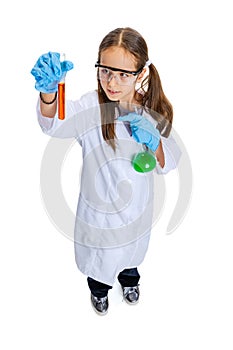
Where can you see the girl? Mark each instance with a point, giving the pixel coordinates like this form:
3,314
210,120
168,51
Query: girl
115,207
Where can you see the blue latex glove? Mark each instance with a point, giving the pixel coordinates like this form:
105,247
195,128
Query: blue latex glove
143,131
48,71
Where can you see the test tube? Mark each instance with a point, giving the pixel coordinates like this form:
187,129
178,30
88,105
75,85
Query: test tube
61,94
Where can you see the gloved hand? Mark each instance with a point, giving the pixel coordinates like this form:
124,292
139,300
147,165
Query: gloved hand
143,131
48,71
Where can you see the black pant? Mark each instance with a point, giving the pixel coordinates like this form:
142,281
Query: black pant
127,278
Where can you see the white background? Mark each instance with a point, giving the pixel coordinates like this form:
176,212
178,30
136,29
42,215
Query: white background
186,284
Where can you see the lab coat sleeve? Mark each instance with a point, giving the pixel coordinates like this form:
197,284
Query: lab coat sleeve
70,126
172,154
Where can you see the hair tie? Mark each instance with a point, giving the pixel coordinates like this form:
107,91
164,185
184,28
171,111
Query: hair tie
50,102
148,63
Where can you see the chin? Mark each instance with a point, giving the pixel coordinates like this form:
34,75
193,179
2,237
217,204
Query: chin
113,98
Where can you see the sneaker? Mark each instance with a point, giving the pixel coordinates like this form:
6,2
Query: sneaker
131,294
100,305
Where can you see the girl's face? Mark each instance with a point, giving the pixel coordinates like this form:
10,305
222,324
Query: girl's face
117,57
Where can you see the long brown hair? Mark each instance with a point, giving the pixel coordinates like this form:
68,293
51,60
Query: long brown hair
151,94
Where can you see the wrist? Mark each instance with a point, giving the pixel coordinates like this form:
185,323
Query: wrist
48,98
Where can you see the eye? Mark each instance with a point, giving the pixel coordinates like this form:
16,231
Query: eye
104,71
124,75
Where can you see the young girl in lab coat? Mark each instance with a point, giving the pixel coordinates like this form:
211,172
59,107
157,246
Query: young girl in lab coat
128,112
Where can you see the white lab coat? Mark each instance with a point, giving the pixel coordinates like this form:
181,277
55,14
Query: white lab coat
115,207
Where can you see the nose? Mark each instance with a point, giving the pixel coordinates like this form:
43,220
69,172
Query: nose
112,80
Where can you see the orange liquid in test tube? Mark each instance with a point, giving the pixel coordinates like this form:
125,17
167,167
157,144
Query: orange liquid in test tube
61,100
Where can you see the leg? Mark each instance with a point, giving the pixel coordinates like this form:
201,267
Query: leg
97,288
129,277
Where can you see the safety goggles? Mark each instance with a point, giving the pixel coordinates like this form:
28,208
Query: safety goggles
122,76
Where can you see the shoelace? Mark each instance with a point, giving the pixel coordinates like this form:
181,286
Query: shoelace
100,300
128,290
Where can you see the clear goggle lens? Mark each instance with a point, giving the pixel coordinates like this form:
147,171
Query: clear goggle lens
121,78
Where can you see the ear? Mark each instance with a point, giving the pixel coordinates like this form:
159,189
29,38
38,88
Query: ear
141,75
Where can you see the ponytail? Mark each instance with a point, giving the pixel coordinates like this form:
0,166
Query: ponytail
156,102
107,109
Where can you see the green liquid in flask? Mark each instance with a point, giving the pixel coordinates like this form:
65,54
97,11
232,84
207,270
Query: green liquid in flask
144,162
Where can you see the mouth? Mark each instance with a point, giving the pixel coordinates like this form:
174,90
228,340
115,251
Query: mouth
113,92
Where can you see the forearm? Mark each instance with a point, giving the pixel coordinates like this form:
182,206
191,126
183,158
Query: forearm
47,108
55,127
169,154
160,155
